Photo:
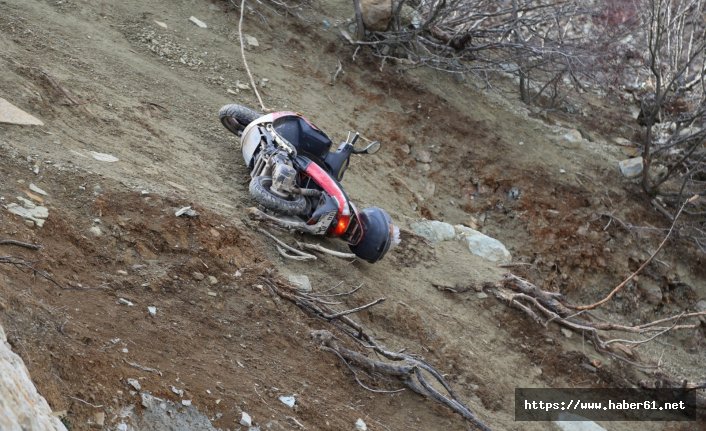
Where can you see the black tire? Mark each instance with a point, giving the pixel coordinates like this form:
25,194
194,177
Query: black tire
236,117
260,190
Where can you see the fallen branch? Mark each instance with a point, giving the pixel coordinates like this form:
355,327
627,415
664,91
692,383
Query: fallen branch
413,372
20,244
325,250
410,372
142,367
242,53
620,286
298,254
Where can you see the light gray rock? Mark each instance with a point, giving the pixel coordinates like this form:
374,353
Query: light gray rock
301,282
573,135
482,245
198,22
360,425
164,415
11,114
434,230
631,168
251,41
570,422
423,156
29,211
22,408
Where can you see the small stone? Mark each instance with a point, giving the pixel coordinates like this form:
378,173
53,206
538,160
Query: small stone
186,211
121,427
289,401
360,425
124,301
423,156
135,384
514,193
562,171
482,295
212,293
198,22
301,282
99,418
567,332
95,231
245,420
573,136
241,86
405,148
177,391
186,403
251,41
631,168
212,280
29,223
103,157
198,276
152,310
37,189
161,24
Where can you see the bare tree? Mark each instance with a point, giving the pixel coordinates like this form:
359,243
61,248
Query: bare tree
674,112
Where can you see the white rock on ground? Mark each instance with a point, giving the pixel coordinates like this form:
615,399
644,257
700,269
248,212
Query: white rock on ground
198,22
482,245
11,114
434,230
22,408
631,168
301,282
571,422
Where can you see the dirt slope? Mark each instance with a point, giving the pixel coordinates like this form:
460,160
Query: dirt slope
106,77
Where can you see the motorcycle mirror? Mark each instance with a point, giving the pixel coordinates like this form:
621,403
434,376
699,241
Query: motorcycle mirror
372,148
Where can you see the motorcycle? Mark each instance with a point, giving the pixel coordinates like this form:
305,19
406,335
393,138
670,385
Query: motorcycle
295,174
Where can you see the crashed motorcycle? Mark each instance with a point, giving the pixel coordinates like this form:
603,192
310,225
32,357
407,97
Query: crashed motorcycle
295,174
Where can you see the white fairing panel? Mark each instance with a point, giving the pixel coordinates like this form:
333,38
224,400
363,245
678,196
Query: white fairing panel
251,137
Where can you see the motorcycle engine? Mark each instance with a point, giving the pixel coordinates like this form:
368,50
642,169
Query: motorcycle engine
283,179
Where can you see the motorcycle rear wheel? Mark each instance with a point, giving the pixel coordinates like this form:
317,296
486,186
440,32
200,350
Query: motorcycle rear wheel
260,190
236,117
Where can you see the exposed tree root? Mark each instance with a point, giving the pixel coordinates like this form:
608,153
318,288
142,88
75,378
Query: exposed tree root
413,372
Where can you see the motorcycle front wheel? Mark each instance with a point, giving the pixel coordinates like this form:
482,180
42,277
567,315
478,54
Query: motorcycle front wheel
261,191
236,117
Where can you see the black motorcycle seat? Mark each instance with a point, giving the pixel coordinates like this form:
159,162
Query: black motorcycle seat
305,137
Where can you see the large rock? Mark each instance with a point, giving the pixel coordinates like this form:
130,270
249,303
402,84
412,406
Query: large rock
11,114
21,406
376,14
482,245
434,230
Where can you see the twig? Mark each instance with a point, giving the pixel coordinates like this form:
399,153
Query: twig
322,249
86,402
353,310
142,367
20,244
330,295
242,53
286,255
644,264
339,69
299,253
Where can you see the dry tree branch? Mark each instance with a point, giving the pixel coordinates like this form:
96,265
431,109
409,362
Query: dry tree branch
617,288
325,250
298,254
242,53
412,371
20,244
